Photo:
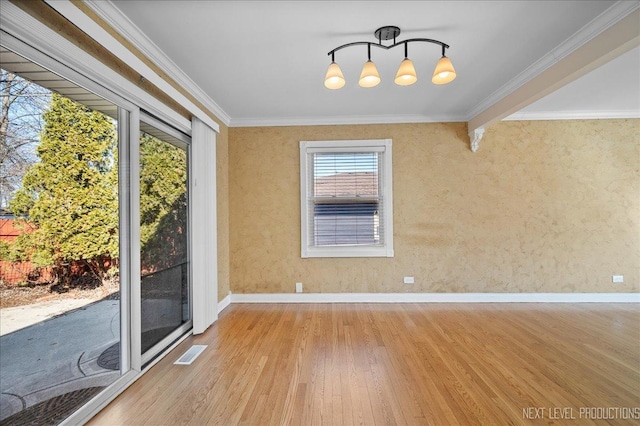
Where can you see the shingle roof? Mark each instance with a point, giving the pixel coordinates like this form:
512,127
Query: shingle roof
347,184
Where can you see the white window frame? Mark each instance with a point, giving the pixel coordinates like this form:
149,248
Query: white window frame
370,145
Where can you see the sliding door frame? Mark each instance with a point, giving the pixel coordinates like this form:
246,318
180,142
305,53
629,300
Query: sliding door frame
34,40
128,125
180,331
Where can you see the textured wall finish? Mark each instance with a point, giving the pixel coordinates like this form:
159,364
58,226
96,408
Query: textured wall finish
222,188
548,206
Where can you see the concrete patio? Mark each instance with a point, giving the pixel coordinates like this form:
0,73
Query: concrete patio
57,356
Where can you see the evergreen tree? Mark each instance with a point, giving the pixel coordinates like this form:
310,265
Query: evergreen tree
70,197
163,204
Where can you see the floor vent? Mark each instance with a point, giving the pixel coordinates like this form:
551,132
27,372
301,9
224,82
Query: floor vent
190,355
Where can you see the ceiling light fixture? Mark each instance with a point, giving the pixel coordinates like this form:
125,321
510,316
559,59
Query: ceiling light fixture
406,75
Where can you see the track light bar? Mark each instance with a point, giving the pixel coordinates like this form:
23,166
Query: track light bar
444,72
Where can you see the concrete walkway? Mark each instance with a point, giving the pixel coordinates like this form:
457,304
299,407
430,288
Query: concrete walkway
56,356
13,319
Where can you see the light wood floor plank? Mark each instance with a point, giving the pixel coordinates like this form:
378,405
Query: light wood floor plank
396,364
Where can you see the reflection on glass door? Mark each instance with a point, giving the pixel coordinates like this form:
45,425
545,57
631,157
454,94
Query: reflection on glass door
59,244
164,237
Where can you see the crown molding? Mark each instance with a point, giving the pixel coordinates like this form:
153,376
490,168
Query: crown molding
342,120
93,29
605,20
127,29
31,38
572,115
107,11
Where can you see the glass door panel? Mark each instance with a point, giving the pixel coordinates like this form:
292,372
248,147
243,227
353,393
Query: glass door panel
164,237
60,310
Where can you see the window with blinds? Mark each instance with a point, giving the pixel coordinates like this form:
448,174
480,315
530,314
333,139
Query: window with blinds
346,198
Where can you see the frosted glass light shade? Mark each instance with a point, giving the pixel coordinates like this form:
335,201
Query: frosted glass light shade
369,76
406,74
444,72
334,78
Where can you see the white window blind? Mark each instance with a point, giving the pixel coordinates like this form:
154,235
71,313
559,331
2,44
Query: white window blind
346,191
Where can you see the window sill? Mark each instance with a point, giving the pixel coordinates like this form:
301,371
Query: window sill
311,252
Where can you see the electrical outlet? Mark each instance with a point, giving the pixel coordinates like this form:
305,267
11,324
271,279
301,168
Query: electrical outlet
298,287
408,280
618,278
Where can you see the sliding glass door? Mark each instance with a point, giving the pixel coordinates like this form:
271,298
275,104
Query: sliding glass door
62,300
95,223
164,236
66,287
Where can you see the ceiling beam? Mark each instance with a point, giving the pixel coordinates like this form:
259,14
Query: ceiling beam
609,44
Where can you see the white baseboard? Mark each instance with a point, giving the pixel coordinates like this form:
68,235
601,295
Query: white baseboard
224,303
435,298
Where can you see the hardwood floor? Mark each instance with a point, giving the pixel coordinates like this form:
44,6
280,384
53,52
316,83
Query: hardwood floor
410,364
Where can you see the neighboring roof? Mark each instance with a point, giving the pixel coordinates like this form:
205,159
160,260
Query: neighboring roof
347,184
5,214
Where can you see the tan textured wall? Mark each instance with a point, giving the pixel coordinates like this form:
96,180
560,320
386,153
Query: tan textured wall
222,188
541,207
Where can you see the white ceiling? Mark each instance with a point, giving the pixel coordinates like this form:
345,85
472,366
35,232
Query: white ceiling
611,91
263,62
